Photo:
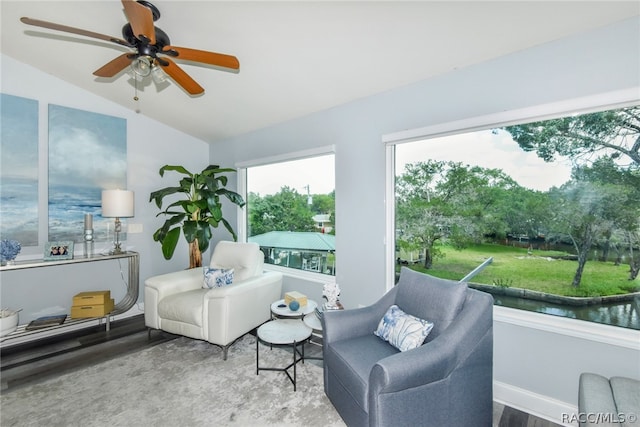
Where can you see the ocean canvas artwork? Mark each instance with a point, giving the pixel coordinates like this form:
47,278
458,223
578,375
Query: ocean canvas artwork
87,153
19,169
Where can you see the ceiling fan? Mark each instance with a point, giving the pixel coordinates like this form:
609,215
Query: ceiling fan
152,47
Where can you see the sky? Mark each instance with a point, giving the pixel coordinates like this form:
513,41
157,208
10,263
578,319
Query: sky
488,150
481,148
86,148
317,172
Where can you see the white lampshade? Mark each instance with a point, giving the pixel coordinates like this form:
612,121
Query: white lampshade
117,204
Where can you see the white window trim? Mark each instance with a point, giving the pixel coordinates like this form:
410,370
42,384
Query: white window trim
609,100
308,276
295,155
241,173
582,105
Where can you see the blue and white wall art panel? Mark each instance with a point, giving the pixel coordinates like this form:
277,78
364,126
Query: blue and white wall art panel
87,153
19,169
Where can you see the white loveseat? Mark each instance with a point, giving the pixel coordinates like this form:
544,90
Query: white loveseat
178,303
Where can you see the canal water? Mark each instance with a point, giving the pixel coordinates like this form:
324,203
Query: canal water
624,314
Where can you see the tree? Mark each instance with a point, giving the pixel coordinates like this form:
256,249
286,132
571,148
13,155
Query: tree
605,150
622,208
421,220
448,201
286,210
579,217
525,212
585,138
323,203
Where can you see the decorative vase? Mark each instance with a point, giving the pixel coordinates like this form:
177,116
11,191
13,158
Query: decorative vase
9,250
331,291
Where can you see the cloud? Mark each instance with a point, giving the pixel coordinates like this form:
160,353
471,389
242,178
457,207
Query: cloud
488,150
86,149
316,172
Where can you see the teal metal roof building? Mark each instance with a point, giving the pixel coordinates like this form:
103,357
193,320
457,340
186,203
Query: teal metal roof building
309,251
307,241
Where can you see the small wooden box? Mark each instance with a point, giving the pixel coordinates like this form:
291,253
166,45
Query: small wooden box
97,310
92,298
297,296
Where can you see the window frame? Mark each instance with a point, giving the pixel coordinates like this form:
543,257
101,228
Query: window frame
241,168
582,105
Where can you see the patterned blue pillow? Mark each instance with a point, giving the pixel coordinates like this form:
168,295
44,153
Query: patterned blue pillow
217,277
402,330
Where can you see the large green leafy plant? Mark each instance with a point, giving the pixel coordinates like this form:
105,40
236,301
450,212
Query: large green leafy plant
196,213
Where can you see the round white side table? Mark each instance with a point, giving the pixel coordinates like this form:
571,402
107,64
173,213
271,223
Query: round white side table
291,332
312,321
280,309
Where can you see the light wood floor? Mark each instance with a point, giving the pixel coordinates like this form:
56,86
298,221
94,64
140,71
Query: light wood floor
30,363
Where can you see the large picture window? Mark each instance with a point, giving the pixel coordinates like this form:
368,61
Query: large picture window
549,211
290,212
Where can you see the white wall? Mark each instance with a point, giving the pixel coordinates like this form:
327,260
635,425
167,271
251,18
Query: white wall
150,145
604,60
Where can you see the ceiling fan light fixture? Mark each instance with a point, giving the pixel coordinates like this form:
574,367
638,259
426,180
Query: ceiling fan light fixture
141,66
158,75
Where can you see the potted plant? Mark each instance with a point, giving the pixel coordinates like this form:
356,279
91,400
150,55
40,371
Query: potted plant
200,210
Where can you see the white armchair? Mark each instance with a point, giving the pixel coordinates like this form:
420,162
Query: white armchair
177,302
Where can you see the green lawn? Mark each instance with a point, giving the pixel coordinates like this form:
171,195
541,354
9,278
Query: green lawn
513,267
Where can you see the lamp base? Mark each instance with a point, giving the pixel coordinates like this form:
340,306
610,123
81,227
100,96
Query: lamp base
117,245
117,249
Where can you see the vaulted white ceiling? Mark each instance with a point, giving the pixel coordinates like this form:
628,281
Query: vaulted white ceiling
296,58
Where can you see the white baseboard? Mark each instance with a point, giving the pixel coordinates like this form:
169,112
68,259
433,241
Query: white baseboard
536,404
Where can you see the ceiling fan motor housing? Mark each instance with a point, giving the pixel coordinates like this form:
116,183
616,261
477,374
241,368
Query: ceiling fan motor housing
143,46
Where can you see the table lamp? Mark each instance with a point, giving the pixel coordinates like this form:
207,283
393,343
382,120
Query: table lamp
117,204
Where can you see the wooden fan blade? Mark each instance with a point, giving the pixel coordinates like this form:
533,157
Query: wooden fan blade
211,58
113,67
58,27
141,20
180,77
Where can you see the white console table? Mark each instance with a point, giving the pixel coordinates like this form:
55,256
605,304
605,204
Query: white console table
122,306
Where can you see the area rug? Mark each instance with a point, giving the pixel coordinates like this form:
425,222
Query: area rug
182,382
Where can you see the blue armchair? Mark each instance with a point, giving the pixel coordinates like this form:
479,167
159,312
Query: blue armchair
448,380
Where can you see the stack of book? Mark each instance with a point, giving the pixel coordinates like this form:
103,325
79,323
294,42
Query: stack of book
325,307
45,322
